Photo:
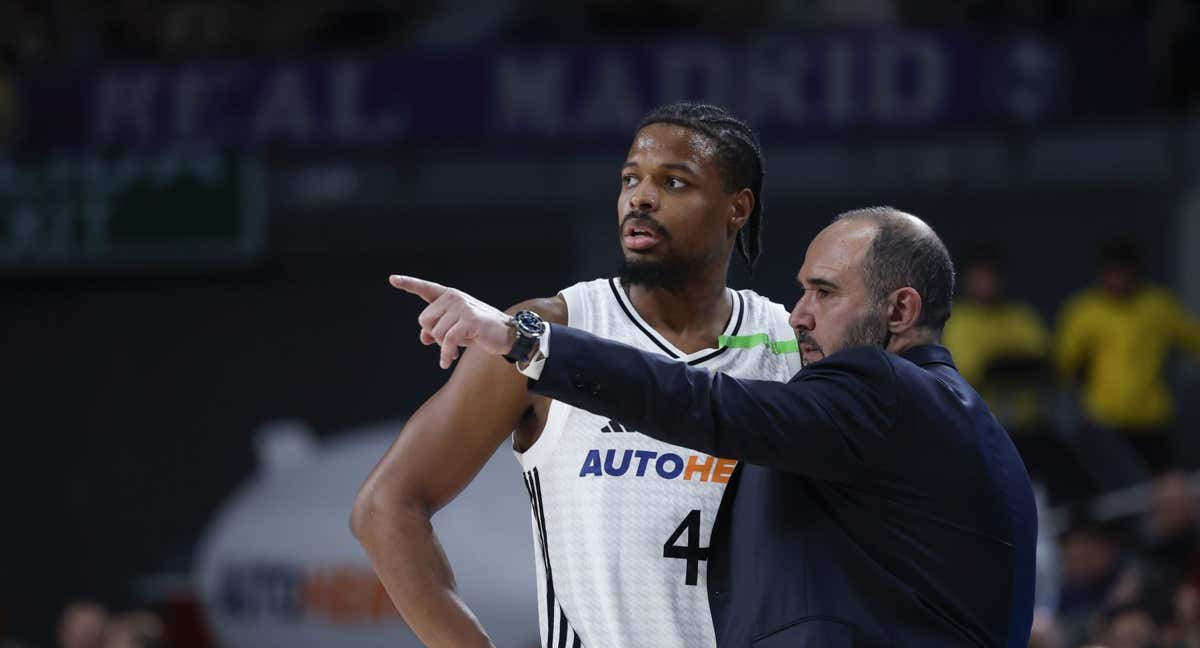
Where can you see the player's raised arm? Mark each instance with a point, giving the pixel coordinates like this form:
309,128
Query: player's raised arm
439,451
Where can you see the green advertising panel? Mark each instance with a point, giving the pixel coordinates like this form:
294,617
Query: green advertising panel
145,211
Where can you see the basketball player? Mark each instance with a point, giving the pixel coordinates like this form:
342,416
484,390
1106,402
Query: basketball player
621,522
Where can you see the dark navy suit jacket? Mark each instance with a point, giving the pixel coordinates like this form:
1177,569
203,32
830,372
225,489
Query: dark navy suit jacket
877,501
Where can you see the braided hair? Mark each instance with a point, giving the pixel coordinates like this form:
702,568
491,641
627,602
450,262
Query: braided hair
738,152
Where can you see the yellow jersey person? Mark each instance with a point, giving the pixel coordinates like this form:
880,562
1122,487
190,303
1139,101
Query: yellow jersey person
1002,348
1114,338
1000,345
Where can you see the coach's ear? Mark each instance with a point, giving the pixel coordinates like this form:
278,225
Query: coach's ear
904,310
739,210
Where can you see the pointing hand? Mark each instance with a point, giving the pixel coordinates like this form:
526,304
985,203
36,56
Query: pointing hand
455,319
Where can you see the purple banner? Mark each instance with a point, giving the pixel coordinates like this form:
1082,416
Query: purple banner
781,85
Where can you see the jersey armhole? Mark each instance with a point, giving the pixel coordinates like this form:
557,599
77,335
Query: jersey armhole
556,418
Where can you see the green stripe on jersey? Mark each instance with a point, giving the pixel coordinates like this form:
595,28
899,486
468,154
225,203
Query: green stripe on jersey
748,341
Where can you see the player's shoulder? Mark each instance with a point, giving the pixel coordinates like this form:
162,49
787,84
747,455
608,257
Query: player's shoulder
556,308
604,285
758,306
752,297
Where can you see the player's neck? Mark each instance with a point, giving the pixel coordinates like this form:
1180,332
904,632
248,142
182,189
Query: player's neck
690,316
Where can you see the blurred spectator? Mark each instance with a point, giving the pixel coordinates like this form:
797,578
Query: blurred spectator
1115,593
1092,562
1167,558
997,343
1128,625
1114,338
1048,562
82,625
1001,346
1187,618
1045,632
138,629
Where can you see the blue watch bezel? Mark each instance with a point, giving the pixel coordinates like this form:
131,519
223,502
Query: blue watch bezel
529,324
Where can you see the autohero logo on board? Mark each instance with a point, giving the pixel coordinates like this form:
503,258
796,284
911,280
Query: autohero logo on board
288,592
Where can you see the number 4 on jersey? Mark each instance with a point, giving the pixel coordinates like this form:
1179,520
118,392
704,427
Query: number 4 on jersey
691,551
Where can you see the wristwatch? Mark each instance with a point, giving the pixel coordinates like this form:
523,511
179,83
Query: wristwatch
529,327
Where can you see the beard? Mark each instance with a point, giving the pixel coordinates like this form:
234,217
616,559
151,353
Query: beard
671,272
868,330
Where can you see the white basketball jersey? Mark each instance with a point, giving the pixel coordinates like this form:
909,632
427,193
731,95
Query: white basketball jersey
622,521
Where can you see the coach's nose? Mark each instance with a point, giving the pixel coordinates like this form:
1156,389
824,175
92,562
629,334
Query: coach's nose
802,317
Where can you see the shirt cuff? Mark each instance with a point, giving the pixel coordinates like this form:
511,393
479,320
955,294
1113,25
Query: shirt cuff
534,369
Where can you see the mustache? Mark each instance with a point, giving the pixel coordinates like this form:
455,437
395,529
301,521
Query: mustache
646,220
802,337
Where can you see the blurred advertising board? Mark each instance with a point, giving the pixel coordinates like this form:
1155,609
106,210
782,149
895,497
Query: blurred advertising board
279,568
829,81
84,211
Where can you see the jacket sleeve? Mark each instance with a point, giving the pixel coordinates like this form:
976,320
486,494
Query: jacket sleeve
829,422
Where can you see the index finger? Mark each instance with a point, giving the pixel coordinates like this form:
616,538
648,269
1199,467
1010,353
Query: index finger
426,290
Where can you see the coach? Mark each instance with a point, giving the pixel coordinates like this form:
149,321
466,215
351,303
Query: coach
877,502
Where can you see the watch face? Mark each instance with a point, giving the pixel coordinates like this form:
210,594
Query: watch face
529,323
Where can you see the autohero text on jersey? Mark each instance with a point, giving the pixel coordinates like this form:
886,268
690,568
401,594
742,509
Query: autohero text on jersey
666,465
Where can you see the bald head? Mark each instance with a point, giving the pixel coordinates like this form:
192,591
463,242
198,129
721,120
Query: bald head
904,251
